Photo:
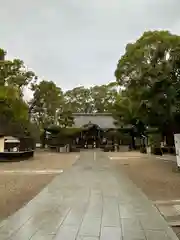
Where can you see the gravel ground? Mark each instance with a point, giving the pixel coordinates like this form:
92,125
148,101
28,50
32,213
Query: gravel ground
42,160
18,189
157,178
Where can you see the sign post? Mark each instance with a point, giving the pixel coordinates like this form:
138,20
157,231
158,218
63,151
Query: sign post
177,146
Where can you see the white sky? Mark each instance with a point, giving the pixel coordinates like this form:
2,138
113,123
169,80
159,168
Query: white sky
78,42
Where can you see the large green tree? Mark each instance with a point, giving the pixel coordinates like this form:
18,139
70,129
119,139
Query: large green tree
99,98
103,97
78,100
150,66
13,109
127,113
11,105
65,119
14,73
46,103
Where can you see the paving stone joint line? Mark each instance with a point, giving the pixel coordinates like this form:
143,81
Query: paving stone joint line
90,201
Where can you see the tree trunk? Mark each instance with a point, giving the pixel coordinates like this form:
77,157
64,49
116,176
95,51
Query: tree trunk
170,138
133,144
43,139
169,133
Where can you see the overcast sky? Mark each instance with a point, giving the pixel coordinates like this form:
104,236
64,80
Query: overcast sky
78,42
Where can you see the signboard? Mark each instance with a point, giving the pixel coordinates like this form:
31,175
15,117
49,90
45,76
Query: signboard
177,146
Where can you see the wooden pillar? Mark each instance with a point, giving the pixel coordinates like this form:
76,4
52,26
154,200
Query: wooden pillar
1,144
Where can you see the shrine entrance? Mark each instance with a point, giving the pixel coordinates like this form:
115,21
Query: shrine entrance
91,136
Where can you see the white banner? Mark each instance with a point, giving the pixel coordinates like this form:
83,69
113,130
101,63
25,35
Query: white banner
177,146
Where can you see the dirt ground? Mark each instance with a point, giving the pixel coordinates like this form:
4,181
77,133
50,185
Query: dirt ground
157,178
42,160
18,189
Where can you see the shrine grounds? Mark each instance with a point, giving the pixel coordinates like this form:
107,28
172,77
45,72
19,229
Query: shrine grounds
158,178
21,181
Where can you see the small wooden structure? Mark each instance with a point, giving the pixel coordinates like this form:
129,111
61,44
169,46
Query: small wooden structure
9,144
15,148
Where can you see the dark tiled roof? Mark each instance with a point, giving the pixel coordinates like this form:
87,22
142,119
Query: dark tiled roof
103,120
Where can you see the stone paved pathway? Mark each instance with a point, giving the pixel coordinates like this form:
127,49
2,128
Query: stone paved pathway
90,201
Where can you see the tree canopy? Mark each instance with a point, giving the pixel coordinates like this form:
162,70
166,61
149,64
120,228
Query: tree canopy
47,101
148,76
99,98
13,78
149,71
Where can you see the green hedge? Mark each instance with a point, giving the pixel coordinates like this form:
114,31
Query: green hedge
61,136
154,140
